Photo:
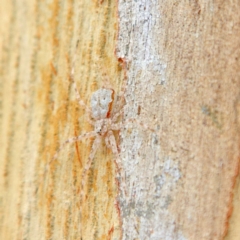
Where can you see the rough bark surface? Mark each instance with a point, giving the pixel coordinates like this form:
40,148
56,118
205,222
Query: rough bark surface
184,70
180,156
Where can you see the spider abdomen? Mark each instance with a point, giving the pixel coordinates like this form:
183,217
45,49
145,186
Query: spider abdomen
100,103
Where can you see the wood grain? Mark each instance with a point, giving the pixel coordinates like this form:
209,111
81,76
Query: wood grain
39,112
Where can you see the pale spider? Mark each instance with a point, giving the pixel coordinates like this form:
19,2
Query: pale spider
104,117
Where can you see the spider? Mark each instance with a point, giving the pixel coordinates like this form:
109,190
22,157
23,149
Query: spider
104,121
103,115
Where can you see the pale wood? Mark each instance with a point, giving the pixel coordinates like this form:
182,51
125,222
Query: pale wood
180,164
40,111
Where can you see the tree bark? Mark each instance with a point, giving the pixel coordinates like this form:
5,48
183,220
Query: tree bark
178,63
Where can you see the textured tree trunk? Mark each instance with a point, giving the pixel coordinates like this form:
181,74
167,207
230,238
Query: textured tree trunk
178,64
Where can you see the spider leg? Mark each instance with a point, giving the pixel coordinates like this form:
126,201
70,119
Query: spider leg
116,126
120,125
105,77
70,140
78,97
117,114
107,142
121,98
95,145
81,102
113,144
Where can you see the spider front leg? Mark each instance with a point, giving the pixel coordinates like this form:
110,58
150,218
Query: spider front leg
121,101
71,140
80,101
118,126
82,104
139,123
78,97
